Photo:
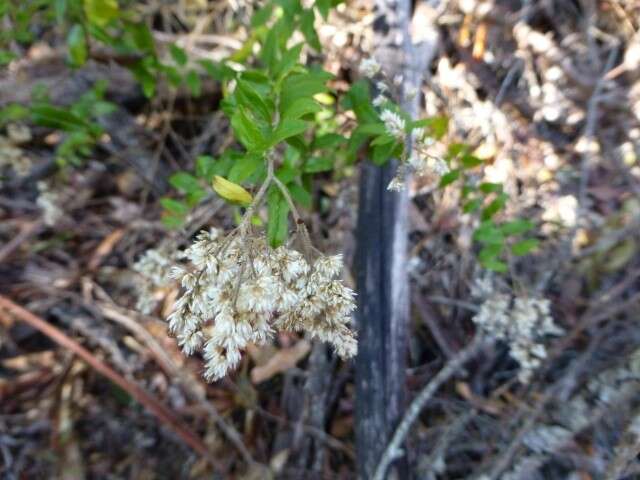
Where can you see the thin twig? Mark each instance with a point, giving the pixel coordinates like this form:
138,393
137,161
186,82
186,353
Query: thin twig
393,450
163,413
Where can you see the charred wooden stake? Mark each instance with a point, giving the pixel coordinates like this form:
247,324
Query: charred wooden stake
381,263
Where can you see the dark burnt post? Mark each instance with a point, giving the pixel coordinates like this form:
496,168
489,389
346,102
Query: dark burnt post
381,259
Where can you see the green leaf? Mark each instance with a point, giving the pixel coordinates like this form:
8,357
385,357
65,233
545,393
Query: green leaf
524,247
289,60
318,164
516,227
328,140
141,35
193,82
145,77
247,131
101,12
307,28
278,223
172,222
77,44
175,207
286,173
173,74
248,97
495,206
323,7
205,167
54,117
217,71
383,140
262,16
185,182
302,85
435,126
488,187
489,234
449,178
358,99
178,54
300,195
287,128
60,7
301,107
381,154
489,252
6,57
13,112
372,129
470,161
456,149
472,205
269,50
245,167
494,264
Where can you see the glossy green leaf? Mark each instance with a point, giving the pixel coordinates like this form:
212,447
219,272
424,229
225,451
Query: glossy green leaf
287,128
248,97
300,86
246,131
301,107
494,265
185,182
193,82
489,234
308,29
55,117
278,213
494,206
449,177
178,54
77,45
524,247
176,207
318,164
245,167
262,15
101,12
516,227
300,195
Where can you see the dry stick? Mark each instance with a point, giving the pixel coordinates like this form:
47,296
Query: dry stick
154,406
168,365
393,450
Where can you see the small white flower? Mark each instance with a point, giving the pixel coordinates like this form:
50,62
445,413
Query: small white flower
379,100
369,67
397,184
393,123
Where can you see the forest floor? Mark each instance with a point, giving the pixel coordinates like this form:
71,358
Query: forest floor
547,94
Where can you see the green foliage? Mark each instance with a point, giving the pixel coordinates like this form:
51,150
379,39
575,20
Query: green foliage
278,108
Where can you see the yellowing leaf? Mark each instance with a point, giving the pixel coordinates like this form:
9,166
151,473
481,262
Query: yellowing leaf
231,191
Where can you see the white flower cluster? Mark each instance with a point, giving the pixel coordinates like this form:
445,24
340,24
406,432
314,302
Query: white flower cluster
240,290
11,154
50,202
370,67
393,123
155,268
520,322
419,160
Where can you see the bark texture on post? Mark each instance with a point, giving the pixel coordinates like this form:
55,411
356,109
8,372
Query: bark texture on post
381,263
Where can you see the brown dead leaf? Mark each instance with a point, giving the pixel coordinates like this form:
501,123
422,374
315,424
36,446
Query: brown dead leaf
282,360
105,248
